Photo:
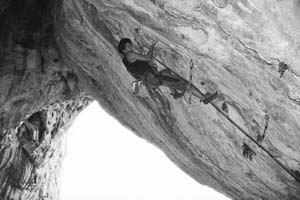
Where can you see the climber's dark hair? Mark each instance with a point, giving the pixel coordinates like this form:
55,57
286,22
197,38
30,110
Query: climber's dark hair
122,44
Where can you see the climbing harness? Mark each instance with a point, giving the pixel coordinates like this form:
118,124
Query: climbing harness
139,80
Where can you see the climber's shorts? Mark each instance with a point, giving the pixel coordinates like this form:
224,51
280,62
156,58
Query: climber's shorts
154,79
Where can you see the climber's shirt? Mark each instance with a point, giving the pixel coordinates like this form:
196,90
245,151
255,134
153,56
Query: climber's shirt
138,68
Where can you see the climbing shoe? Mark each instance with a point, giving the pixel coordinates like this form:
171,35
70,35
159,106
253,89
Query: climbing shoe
209,97
136,85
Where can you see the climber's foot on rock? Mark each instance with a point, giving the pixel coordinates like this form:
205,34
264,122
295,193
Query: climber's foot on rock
209,97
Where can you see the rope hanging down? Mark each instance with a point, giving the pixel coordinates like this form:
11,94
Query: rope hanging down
240,128
190,81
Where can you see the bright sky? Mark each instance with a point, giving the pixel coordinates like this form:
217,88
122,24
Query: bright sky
105,161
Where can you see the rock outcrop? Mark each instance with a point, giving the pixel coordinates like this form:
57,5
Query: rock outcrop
39,97
58,53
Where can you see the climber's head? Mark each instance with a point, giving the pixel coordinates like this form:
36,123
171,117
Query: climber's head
125,45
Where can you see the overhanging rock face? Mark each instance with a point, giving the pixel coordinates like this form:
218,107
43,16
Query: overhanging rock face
246,50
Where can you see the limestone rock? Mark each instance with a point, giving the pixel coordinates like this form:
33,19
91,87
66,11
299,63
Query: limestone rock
245,50
39,97
31,153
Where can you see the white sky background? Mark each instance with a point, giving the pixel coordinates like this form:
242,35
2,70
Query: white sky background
105,161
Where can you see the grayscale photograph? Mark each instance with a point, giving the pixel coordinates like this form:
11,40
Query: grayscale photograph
149,99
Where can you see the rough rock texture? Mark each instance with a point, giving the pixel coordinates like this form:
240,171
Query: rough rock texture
31,153
246,50
39,97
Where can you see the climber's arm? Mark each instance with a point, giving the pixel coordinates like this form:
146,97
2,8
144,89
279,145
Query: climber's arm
133,56
150,52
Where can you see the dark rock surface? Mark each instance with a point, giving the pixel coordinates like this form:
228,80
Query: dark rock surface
53,53
39,97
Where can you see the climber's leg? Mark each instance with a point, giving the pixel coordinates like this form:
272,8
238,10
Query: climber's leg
172,81
154,79
182,86
177,85
196,93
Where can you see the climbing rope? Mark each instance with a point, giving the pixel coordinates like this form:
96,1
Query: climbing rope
239,128
190,81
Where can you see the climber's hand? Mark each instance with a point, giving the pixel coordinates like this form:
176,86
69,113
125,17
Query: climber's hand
154,42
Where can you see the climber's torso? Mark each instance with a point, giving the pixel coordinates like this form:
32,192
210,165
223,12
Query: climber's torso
136,67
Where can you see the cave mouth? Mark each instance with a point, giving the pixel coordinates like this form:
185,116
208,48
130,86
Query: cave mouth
110,162
30,23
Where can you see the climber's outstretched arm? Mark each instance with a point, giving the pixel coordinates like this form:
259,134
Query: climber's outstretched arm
133,56
150,52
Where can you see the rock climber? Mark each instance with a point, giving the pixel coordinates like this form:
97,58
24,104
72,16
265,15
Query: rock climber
138,65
